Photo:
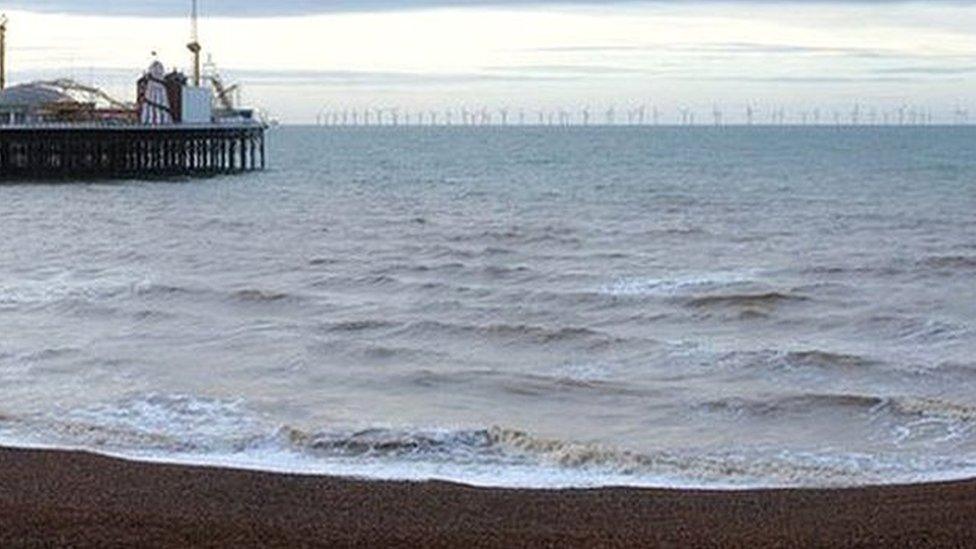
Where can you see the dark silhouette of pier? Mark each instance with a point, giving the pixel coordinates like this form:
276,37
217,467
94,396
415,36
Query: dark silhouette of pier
74,151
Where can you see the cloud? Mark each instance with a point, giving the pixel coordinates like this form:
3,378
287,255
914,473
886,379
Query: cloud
581,70
326,78
732,48
258,8
927,71
806,79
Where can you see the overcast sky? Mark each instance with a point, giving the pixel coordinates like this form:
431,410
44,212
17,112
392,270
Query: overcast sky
297,58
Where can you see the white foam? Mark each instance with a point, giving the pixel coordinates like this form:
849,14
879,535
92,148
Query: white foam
67,285
679,284
190,430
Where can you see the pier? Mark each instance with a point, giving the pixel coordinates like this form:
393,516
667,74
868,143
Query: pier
75,151
178,126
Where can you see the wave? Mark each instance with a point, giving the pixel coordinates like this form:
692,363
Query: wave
363,325
857,272
950,263
323,261
746,304
65,288
683,232
911,329
499,237
511,332
871,405
827,359
215,431
585,380
643,286
259,296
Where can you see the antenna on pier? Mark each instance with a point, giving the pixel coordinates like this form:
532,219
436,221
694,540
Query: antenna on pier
194,45
3,52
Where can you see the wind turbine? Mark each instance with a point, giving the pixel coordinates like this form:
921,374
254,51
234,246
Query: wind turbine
586,116
750,115
611,116
716,115
962,116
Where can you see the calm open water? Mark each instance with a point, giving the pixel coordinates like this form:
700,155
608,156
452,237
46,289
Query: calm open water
525,307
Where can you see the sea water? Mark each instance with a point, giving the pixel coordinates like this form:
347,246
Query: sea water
704,307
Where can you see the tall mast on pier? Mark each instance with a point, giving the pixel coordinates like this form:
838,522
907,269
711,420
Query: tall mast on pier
194,45
3,52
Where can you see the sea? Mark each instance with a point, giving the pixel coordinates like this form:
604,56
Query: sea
714,308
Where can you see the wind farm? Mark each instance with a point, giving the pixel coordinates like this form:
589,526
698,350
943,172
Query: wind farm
716,115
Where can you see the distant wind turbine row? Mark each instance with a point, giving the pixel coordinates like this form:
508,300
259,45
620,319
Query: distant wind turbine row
857,115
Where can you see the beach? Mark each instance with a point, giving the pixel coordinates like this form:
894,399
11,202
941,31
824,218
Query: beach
78,499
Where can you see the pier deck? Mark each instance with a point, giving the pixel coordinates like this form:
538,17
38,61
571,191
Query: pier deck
93,151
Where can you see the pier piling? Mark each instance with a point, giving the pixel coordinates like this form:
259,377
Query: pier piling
91,151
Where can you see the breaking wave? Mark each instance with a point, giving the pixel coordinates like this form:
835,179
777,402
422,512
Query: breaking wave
679,285
228,433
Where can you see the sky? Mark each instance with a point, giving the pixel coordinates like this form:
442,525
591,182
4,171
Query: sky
302,59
